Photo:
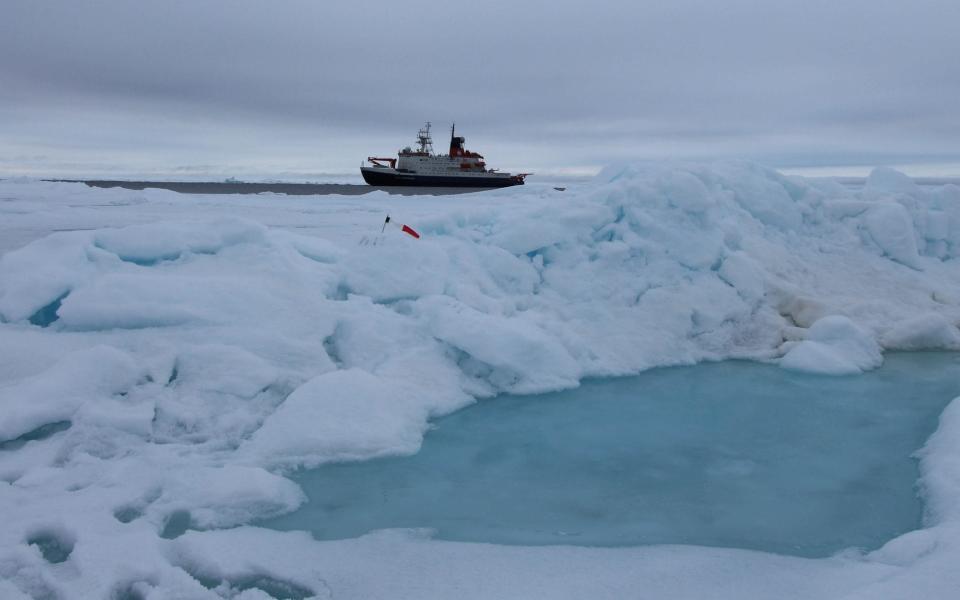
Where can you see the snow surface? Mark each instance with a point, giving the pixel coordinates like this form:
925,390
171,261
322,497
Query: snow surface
165,359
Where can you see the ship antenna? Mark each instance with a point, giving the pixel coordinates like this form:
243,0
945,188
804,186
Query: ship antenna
424,141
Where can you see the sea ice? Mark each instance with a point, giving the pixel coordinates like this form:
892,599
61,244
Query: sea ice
151,340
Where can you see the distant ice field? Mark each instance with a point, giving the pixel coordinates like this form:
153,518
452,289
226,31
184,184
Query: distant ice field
169,361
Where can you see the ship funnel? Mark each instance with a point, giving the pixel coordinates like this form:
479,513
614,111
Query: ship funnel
456,143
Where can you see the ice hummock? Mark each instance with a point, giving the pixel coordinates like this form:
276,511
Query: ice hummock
153,345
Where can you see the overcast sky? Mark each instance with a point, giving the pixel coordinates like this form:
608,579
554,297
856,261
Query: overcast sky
295,87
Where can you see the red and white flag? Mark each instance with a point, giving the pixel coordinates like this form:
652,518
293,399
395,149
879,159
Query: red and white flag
404,228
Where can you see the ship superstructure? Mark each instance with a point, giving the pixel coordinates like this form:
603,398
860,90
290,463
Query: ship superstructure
420,166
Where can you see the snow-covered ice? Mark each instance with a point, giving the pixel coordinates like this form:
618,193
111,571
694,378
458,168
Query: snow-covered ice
166,359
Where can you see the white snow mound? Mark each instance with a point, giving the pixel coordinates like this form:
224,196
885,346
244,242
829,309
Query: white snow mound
834,345
923,332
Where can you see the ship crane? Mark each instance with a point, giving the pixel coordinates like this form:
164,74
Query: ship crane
377,162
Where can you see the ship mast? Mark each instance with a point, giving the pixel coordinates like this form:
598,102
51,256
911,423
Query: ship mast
424,141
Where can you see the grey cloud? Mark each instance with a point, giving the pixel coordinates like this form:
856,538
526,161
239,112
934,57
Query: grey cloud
538,84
